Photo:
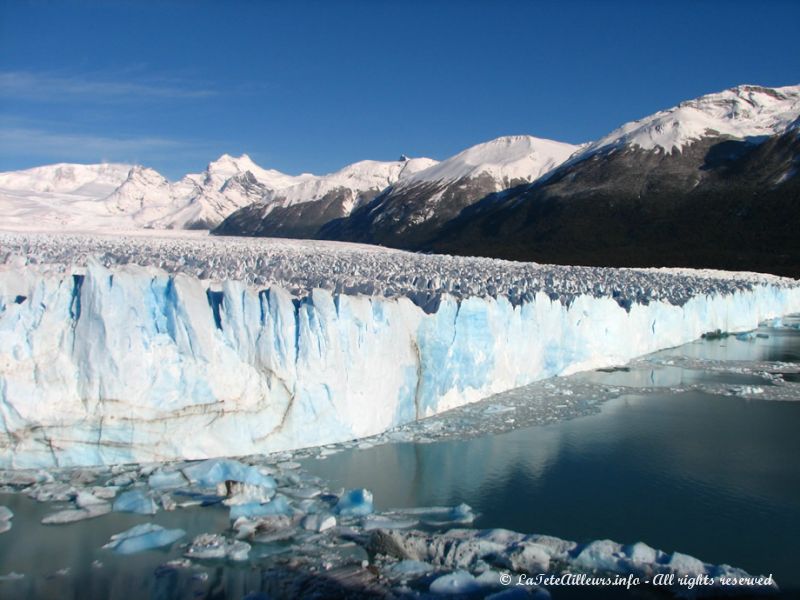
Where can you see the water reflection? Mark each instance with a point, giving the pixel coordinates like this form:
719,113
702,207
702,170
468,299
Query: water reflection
714,476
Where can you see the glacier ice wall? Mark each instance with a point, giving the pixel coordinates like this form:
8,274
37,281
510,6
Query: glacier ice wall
134,364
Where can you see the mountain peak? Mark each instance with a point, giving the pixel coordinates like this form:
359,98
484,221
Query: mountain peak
511,157
740,112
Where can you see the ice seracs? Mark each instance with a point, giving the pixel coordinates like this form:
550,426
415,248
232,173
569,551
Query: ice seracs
291,359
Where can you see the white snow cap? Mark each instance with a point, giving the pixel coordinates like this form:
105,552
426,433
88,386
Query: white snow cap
66,178
361,176
227,166
505,158
741,112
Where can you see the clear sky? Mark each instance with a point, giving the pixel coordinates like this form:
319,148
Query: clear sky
313,86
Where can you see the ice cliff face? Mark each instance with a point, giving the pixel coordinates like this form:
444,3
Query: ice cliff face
123,363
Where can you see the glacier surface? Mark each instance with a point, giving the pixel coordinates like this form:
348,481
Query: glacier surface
136,349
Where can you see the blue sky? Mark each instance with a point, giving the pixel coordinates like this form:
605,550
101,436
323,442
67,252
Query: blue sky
312,86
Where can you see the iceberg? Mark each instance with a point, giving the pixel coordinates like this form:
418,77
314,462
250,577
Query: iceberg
355,503
268,346
458,582
277,506
143,537
208,546
211,473
71,515
135,501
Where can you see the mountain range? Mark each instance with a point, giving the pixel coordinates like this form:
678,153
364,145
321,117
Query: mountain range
711,182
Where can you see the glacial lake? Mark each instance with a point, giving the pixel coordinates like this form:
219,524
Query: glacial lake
714,476
688,464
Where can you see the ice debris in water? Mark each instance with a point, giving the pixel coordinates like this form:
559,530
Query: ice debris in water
143,537
458,582
5,518
162,480
211,473
88,506
355,503
277,506
210,546
333,531
319,522
460,550
135,501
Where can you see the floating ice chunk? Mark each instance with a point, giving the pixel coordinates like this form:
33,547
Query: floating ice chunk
210,473
529,557
355,503
167,503
24,477
5,514
105,492
135,501
52,492
289,465
437,515
641,553
496,409
408,568
683,564
318,522
77,514
600,555
458,582
5,526
163,480
244,493
383,522
13,576
277,506
211,546
746,336
303,493
143,537
87,499
264,529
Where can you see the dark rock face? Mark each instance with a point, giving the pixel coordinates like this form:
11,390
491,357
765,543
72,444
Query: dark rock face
406,216
302,220
720,203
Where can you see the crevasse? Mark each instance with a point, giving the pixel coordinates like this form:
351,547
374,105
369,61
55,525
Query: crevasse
132,364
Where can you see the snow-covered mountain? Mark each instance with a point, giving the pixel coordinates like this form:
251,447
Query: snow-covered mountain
109,196
710,182
507,160
301,209
746,111
414,209
65,178
58,196
421,195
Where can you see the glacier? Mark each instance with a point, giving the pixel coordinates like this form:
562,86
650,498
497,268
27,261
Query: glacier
106,361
